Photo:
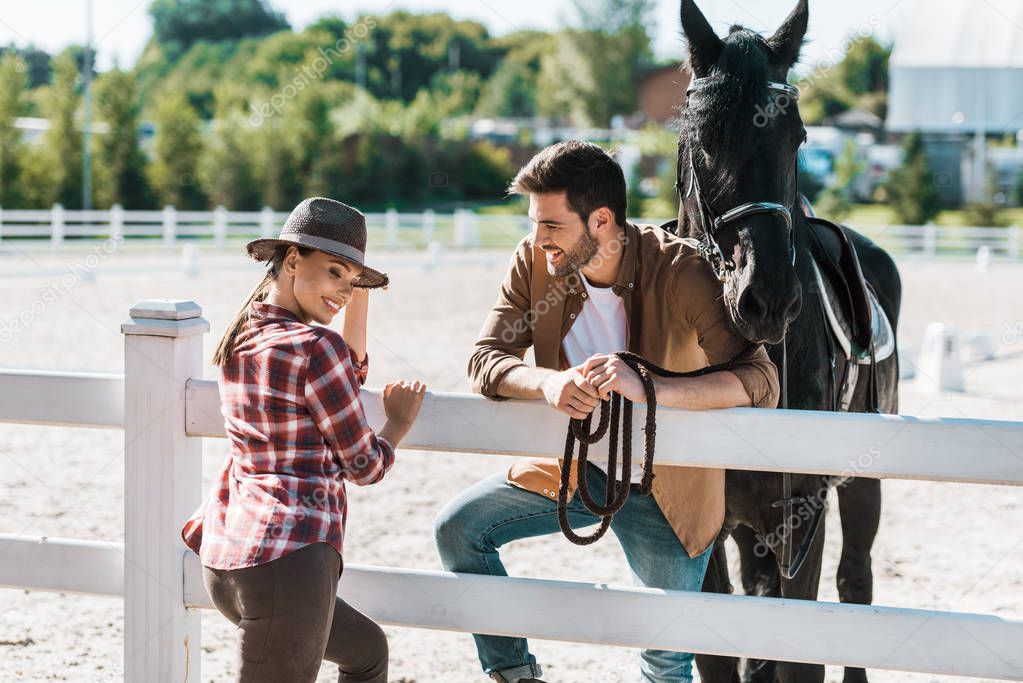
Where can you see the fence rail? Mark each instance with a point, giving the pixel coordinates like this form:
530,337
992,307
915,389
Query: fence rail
165,410
461,229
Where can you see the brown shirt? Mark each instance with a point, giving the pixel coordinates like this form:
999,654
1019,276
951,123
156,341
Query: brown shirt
675,318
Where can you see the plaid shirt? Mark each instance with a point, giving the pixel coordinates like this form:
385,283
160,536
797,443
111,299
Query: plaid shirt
290,400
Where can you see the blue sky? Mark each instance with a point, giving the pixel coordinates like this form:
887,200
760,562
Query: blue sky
122,27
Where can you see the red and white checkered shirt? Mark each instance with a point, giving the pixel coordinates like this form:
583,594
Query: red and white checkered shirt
290,400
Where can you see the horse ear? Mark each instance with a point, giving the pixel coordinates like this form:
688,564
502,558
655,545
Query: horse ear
704,44
788,39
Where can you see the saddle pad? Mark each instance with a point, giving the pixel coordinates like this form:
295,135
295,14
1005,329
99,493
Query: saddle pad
882,335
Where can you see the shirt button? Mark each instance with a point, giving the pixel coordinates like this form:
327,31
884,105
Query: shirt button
571,316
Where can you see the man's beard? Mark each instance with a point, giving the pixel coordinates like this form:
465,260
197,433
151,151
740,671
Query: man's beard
581,254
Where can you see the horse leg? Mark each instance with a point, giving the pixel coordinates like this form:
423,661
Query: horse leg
803,586
760,576
859,506
713,668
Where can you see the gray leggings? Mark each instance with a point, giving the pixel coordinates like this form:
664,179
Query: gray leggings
290,619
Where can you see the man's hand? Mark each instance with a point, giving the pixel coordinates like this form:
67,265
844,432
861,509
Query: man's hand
569,392
610,373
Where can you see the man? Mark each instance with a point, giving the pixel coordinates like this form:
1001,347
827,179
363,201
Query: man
586,284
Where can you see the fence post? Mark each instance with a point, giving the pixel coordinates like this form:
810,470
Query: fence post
429,225
266,222
466,232
391,227
56,227
117,222
163,343
1012,246
219,227
930,240
170,226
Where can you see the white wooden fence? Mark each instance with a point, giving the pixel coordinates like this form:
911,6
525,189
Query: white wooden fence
165,409
461,229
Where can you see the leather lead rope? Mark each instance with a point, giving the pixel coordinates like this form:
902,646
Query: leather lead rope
612,412
786,477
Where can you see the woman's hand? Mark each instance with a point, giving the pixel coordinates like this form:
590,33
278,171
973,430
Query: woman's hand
610,373
402,401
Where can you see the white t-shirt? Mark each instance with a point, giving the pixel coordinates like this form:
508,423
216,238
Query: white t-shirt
600,328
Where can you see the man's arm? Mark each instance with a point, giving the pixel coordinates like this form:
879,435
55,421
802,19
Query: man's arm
706,312
568,391
752,380
496,368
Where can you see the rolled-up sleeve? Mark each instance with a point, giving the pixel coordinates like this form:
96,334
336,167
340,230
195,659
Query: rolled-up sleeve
706,312
507,332
331,393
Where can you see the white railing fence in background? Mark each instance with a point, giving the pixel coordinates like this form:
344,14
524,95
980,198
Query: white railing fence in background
165,409
461,229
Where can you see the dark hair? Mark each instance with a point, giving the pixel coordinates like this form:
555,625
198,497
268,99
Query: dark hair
225,348
589,177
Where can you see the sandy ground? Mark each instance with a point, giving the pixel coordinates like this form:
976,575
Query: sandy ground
941,546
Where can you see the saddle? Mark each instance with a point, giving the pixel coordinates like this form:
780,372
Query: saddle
866,337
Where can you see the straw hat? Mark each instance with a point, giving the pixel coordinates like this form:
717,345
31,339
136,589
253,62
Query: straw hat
329,226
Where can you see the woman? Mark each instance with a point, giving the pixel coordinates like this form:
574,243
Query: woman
270,534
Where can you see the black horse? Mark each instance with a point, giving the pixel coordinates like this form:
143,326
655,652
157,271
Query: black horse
790,282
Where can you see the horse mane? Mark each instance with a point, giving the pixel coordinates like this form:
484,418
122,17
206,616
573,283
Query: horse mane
720,118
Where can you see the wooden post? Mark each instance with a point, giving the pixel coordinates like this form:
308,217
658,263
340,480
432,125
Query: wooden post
57,227
930,240
219,227
466,231
266,222
170,226
429,225
391,227
163,345
117,222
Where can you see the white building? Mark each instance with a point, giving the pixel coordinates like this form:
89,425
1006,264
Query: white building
957,67
957,72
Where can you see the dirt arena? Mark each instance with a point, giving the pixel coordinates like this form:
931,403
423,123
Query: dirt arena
941,546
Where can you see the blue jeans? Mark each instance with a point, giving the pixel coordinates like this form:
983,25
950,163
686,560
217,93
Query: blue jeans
478,521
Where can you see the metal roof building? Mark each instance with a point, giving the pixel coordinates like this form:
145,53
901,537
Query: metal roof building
957,67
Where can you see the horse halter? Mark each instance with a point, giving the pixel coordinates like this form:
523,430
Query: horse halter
708,246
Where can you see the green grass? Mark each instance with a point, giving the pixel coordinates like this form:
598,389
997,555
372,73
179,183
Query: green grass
880,214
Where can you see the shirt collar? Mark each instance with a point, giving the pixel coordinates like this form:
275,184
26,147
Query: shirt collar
264,310
626,279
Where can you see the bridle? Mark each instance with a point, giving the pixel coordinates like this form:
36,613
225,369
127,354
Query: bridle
708,244
709,248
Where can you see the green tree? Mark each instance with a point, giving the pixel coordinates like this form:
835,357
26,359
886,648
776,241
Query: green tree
859,81
120,164
54,172
275,165
509,92
910,188
12,103
173,171
404,52
835,201
605,55
225,165
184,22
